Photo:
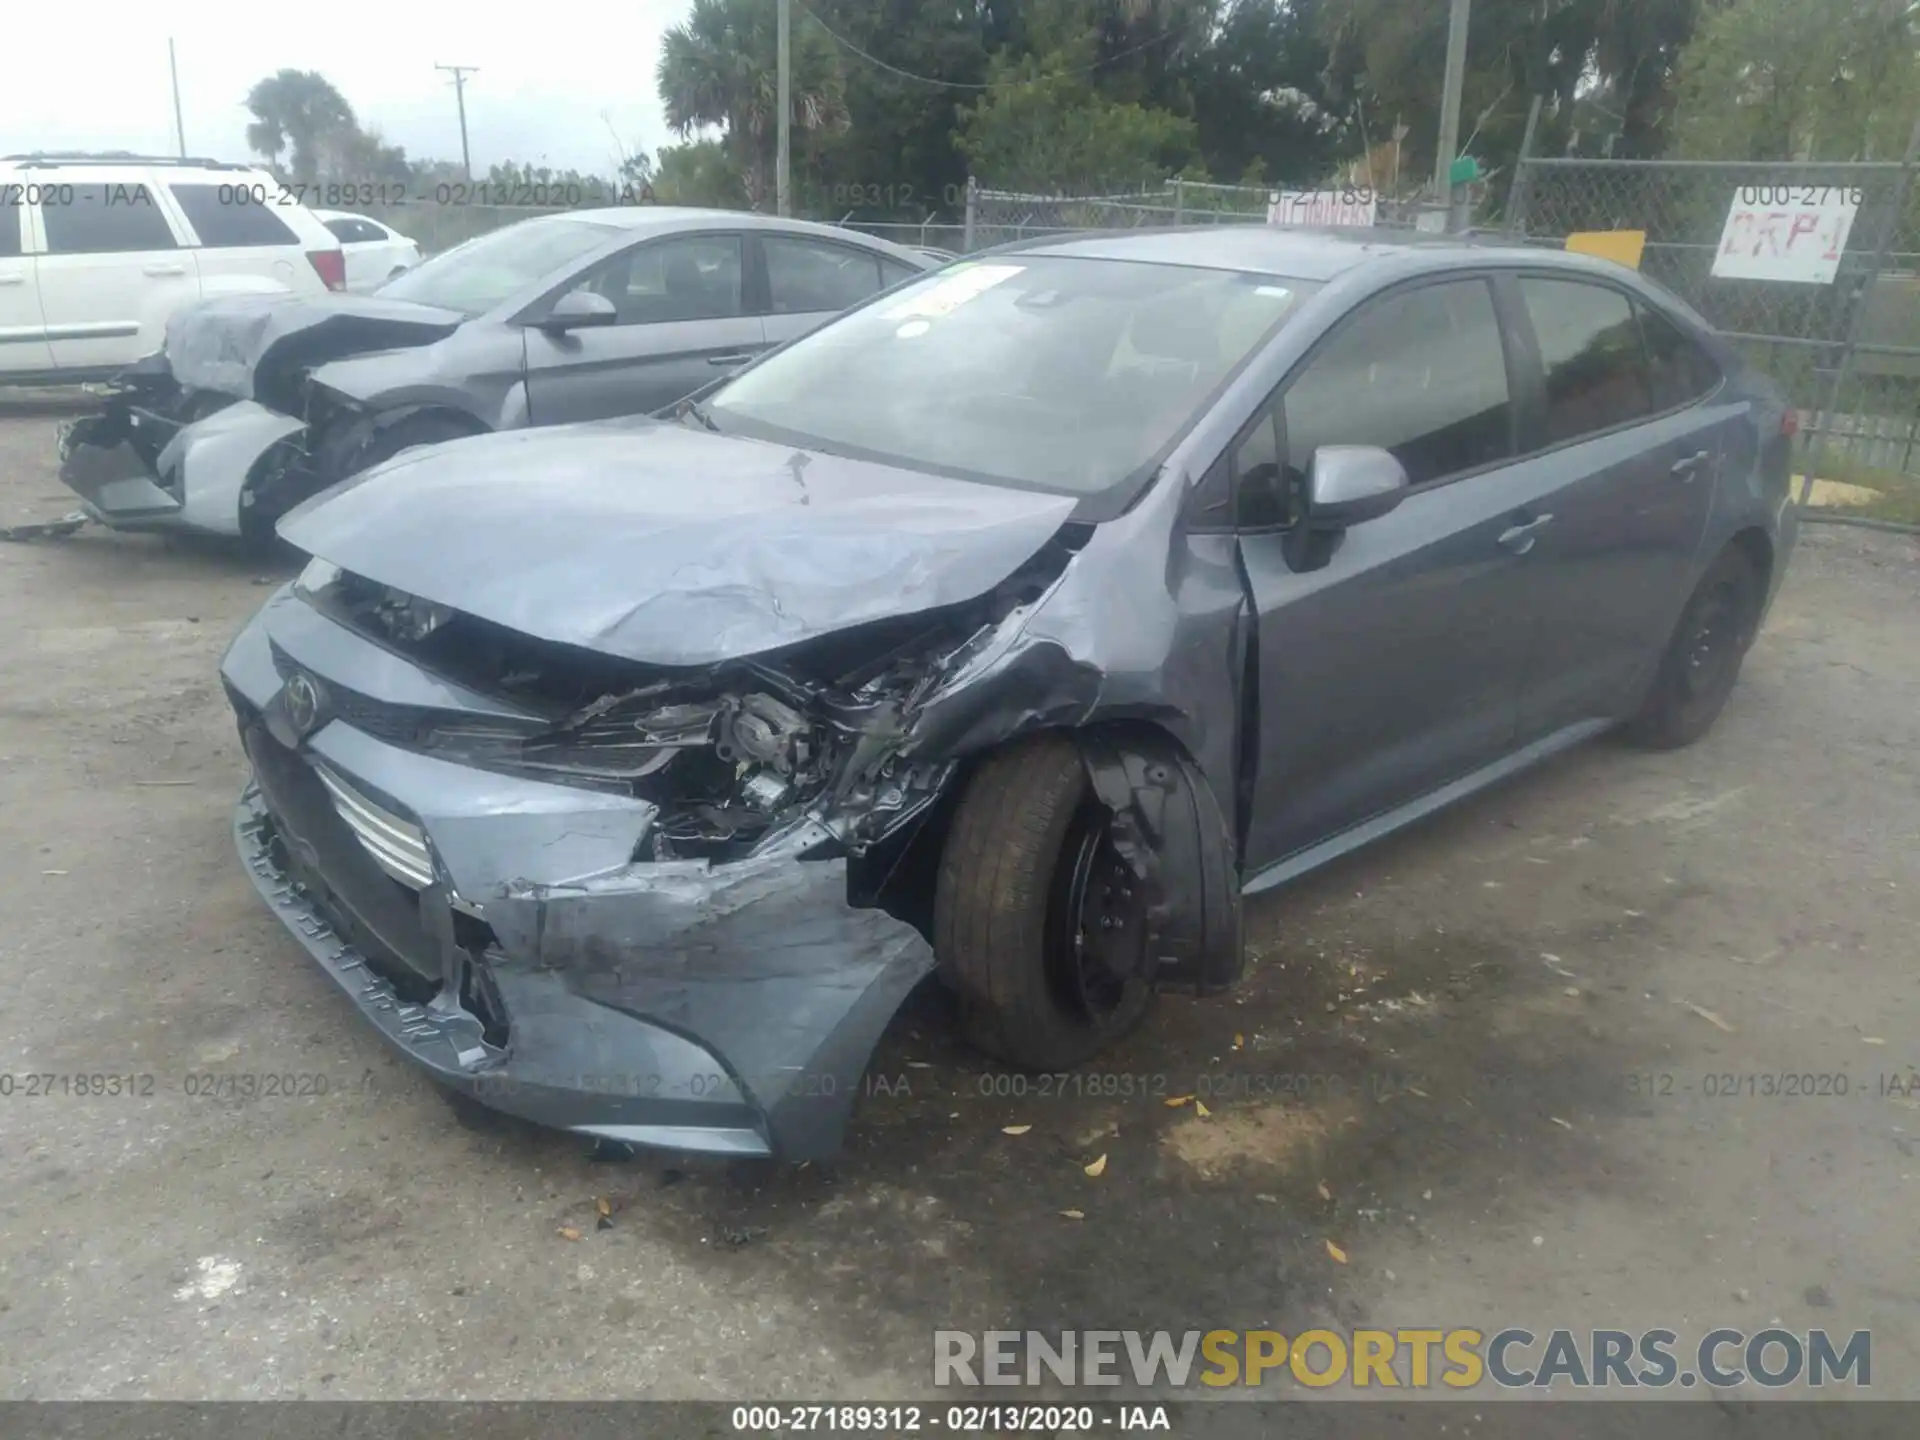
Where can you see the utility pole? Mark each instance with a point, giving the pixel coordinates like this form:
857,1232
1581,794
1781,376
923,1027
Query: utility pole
783,132
460,73
179,125
1451,86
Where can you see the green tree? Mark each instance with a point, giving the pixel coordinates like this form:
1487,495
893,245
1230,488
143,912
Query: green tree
1617,55
1800,79
718,69
1044,127
298,114
1258,96
701,172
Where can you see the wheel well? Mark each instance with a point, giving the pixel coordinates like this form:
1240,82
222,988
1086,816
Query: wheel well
898,875
446,413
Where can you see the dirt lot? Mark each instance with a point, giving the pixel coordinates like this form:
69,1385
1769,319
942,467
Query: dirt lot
1448,1060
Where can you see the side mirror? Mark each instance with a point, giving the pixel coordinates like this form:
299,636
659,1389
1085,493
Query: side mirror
1347,484
579,310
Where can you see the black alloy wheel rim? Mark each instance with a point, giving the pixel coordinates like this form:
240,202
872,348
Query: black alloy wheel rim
1712,647
1096,950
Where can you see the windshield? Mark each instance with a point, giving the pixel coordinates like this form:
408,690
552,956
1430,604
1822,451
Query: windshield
474,277
1063,374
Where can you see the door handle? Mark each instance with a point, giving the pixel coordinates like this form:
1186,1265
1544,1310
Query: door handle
163,270
1687,466
13,278
728,359
1519,539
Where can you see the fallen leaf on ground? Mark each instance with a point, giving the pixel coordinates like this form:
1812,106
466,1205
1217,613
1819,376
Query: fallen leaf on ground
1200,1109
603,1205
1174,1102
1239,1042
1708,1016
1074,1214
1416,1090
1267,1199
1339,1255
1098,1167
1871,1040
1015,1129
1563,1124
1325,1194
567,1232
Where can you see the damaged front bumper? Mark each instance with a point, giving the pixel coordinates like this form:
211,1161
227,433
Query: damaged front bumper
137,469
497,931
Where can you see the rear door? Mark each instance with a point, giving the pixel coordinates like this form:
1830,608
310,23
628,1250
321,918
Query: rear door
23,331
1397,666
114,267
809,281
683,319
1627,444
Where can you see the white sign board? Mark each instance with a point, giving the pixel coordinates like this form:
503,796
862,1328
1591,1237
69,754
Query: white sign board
1354,206
1794,233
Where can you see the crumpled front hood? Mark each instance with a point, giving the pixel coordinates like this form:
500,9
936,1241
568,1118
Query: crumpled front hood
255,346
668,545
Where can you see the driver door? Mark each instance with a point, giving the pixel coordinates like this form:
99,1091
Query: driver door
1396,666
681,321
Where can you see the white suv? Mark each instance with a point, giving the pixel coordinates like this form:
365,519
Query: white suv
96,251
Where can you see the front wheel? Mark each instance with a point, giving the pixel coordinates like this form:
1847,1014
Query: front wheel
1702,660
1040,925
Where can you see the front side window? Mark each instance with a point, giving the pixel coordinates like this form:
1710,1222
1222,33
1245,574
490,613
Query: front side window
105,219
691,277
1590,347
1421,373
1049,371
809,275
475,277
226,223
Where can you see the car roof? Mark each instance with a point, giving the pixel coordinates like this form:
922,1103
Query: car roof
1294,253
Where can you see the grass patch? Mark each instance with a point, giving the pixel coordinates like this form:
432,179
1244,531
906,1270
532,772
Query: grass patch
1899,494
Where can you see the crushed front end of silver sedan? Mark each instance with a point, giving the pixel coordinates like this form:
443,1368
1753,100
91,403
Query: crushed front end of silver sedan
634,835
234,421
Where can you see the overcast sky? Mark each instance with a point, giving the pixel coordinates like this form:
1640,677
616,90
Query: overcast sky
557,78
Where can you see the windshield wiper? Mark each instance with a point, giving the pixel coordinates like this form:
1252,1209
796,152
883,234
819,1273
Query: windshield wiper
694,409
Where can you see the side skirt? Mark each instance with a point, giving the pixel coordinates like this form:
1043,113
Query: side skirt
1367,831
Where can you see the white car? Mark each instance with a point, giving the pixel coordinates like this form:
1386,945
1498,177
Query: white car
98,250
375,252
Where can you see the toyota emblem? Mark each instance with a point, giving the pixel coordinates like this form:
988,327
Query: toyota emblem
302,699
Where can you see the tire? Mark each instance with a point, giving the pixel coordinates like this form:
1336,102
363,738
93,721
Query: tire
1027,867
1702,660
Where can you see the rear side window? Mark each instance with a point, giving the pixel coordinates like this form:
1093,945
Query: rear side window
892,272
806,275
1590,345
1421,373
10,218
104,219
1679,369
224,222
352,232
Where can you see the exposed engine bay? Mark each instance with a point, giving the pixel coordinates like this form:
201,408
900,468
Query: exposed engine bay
734,755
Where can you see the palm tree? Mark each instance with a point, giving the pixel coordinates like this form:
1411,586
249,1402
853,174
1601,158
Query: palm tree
298,111
718,68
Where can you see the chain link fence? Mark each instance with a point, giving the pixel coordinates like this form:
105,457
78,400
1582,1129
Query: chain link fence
1845,348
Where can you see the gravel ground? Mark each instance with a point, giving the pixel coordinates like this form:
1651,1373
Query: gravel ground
1484,1060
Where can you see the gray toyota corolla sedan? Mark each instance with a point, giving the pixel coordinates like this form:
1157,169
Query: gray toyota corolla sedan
258,401
1009,628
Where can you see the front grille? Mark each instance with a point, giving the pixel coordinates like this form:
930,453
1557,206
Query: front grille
397,846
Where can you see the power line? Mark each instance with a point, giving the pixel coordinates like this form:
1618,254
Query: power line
875,60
